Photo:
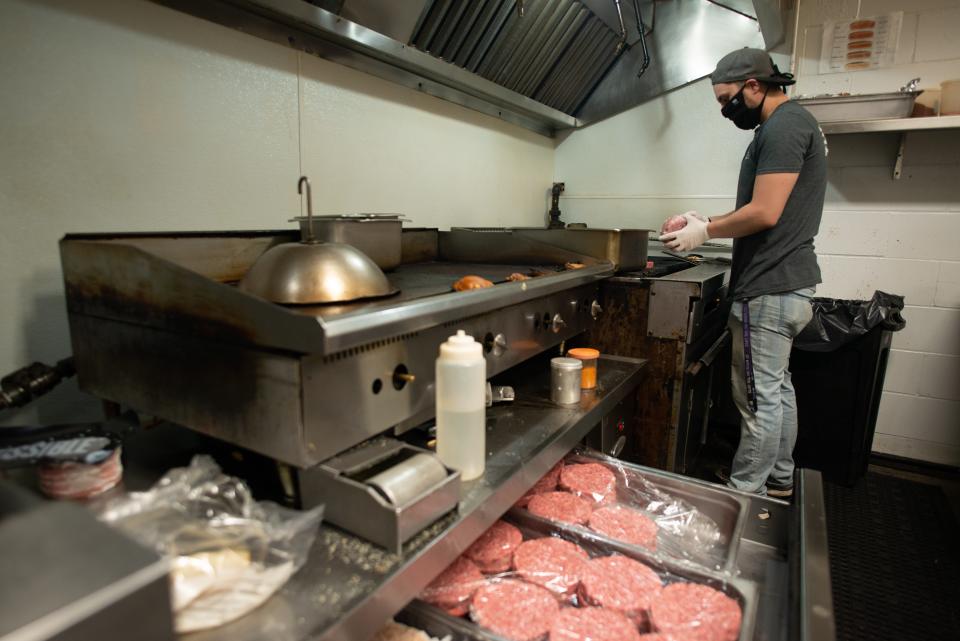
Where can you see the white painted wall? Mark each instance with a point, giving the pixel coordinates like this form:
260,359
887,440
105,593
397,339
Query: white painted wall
677,153
128,116
899,236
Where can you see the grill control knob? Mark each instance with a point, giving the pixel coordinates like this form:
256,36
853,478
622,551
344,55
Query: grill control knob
499,344
595,309
557,323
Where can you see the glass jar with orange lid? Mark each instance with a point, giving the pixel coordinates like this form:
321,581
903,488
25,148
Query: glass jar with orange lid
589,357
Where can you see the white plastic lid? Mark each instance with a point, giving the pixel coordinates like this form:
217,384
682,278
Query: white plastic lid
561,362
461,347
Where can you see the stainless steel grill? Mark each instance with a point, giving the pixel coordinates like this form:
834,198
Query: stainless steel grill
302,384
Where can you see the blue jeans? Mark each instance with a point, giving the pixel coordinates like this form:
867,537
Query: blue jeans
767,435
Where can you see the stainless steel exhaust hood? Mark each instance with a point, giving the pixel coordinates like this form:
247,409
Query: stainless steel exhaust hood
547,65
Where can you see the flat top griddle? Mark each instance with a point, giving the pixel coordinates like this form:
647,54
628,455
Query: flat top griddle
422,280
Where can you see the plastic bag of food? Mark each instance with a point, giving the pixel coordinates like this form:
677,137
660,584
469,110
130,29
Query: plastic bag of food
604,496
228,552
569,585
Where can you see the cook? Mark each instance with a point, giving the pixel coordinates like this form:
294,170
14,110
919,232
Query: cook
783,178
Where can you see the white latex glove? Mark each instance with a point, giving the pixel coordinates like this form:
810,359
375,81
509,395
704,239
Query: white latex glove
688,238
663,227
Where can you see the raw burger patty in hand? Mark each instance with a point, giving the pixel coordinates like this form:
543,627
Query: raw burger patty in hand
695,613
493,551
551,562
592,624
624,524
515,610
674,223
561,506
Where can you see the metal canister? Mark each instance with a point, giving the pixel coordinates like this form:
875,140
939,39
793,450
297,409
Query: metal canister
404,482
565,380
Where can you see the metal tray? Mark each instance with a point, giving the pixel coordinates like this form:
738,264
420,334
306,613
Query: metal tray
376,235
625,248
438,623
875,106
727,510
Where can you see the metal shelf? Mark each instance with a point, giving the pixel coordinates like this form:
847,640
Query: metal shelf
348,587
891,125
902,126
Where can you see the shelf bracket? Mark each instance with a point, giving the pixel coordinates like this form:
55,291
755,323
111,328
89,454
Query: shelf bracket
898,163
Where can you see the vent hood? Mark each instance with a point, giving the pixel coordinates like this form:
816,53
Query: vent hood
547,65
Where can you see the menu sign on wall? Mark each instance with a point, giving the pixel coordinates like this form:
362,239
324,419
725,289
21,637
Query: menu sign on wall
863,43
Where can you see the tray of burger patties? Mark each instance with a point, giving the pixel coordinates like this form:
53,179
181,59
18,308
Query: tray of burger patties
529,579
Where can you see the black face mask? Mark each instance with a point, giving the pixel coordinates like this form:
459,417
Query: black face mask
743,116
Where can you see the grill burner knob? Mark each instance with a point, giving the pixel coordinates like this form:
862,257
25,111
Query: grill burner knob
557,323
499,344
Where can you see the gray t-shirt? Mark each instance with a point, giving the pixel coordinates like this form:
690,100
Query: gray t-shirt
782,258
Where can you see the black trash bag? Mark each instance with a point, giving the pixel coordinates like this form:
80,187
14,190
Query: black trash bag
837,322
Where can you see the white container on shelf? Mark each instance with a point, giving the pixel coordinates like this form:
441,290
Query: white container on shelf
950,98
461,375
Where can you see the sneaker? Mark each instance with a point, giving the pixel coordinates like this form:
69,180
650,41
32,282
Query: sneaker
780,492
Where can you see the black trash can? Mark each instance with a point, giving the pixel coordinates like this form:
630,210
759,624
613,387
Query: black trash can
838,364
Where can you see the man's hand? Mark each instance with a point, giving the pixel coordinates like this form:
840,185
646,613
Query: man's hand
674,221
688,238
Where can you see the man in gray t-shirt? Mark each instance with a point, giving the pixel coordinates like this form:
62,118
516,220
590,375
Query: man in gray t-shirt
783,178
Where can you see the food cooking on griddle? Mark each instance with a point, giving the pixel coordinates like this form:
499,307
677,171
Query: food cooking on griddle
471,282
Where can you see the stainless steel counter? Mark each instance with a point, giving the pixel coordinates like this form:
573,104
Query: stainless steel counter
349,587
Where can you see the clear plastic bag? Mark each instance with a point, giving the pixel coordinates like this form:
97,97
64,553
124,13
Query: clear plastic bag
229,552
601,495
570,585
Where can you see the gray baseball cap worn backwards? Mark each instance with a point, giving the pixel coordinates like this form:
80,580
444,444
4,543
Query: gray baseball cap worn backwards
746,63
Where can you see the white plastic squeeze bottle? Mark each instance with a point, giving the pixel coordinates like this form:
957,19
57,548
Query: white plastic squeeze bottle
461,406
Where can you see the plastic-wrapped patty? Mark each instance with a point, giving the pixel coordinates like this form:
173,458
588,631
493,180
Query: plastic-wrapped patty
621,584
589,480
515,610
624,524
561,506
695,613
551,562
592,624
493,551
455,586
547,483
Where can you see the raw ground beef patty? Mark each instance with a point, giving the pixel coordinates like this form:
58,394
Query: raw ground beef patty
592,624
551,562
454,587
589,480
624,524
514,609
493,551
620,583
561,506
547,483
695,613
